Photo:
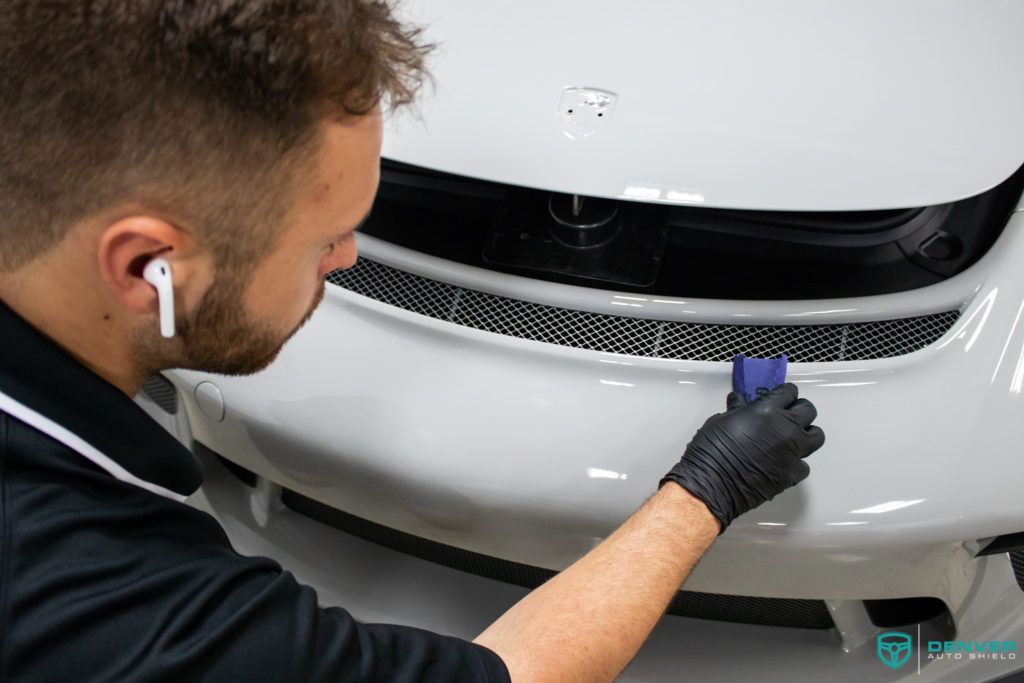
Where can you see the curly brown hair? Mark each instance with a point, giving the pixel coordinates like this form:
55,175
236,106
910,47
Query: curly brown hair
204,110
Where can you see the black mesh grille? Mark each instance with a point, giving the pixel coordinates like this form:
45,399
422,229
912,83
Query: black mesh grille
733,608
638,336
162,392
1017,560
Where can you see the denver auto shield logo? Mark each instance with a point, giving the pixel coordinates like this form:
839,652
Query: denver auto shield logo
894,648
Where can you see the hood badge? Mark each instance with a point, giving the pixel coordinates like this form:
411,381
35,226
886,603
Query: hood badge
584,111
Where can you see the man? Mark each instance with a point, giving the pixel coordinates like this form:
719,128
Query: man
239,141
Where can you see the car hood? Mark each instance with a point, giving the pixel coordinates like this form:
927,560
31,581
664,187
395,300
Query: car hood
761,105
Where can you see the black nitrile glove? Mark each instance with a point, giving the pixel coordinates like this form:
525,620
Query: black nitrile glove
749,454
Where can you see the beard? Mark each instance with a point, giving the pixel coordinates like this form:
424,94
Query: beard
219,336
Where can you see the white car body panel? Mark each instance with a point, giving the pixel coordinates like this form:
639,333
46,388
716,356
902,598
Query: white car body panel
380,585
431,428
791,105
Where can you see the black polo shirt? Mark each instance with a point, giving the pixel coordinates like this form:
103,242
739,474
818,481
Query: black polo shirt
106,575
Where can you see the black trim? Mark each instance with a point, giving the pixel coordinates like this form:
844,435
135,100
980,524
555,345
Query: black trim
243,475
1003,544
794,613
711,252
931,613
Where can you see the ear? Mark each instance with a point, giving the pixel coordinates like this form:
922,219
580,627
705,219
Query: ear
126,246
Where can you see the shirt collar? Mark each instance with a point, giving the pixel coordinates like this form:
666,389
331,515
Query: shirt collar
38,375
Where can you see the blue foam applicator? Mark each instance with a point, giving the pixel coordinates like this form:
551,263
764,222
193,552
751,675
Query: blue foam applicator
753,377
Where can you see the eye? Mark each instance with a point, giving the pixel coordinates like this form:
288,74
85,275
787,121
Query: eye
339,240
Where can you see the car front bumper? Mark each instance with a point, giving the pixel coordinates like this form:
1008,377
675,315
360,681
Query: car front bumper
533,452
380,585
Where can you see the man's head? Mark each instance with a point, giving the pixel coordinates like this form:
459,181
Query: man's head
238,139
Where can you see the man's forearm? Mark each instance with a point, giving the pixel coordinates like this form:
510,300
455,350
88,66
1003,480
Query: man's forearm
587,623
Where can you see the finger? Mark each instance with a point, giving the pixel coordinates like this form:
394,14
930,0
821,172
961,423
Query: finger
800,473
814,439
803,411
735,400
781,396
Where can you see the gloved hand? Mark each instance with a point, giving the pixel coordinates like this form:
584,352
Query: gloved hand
749,454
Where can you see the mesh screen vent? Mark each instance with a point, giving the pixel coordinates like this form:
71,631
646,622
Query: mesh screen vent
732,608
637,336
162,392
1017,560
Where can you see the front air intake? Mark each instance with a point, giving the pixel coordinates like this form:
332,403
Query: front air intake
733,608
1017,560
640,336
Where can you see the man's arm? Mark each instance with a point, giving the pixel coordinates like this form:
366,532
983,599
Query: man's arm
588,622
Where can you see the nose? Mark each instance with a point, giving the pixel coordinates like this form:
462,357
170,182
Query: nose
342,257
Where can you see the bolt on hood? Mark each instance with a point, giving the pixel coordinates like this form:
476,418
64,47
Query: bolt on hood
787,105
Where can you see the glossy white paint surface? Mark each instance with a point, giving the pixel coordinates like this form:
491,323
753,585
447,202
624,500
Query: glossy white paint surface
209,400
380,585
792,104
534,452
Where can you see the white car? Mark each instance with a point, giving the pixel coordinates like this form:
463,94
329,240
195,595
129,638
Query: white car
599,206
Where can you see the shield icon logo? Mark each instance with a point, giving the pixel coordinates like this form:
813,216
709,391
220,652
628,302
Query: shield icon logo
894,648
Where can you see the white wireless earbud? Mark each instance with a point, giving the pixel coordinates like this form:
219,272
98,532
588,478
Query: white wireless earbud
158,273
